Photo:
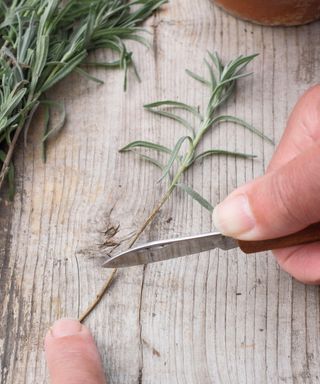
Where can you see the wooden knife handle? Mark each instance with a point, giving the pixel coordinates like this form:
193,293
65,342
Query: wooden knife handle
307,235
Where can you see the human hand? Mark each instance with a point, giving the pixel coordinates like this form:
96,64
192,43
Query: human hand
287,198
72,355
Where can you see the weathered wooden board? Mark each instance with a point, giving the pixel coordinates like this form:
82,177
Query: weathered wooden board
215,318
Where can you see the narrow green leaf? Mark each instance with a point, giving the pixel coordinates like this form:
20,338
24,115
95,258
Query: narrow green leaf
106,65
152,161
196,196
236,120
63,72
235,66
26,40
174,104
223,91
135,70
40,60
212,75
212,152
89,26
124,65
3,123
57,128
174,154
11,103
88,76
45,132
235,77
226,94
224,86
174,117
15,62
198,78
145,144
139,39
217,62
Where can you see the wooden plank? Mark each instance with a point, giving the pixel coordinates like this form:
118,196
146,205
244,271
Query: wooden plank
5,222
214,318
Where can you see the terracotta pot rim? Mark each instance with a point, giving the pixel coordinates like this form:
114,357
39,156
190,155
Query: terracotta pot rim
275,23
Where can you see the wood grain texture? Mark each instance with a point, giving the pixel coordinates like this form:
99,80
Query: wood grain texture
215,318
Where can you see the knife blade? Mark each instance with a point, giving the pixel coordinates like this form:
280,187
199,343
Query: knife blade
173,248
169,249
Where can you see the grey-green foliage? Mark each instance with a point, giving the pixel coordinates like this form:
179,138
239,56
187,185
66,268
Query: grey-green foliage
42,41
221,82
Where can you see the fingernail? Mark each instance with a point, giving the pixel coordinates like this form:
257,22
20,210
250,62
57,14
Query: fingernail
65,327
233,216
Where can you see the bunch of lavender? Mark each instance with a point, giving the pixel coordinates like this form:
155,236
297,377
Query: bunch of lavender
41,42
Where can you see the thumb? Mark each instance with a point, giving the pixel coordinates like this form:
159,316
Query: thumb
281,202
72,355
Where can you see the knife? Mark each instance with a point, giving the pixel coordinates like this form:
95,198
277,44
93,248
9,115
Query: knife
173,248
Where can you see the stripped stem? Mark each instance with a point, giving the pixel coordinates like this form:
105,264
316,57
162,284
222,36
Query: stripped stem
99,296
155,211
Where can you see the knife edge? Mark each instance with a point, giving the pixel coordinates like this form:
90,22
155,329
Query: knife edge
169,249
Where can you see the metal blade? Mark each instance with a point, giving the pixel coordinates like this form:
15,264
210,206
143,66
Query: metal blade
170,249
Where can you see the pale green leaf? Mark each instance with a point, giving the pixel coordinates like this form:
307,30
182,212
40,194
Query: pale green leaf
212,152
175,153
60,124
40,60
212,75
106,65
11,103
175,104
64,71
145,144
235,66
217,62
174,117
196,196
152,161
198,78
236,120
46,125
88,76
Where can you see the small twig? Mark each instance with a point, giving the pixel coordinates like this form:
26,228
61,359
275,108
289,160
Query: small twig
105,288
98,297
151,217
